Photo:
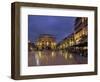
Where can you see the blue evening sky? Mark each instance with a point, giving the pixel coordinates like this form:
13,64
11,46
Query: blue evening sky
58,26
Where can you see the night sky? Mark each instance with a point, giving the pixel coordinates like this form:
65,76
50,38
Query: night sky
58,26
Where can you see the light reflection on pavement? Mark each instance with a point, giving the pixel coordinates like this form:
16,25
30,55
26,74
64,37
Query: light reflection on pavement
47,57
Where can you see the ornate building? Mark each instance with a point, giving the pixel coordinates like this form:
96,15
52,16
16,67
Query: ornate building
77,40
46,41
81,30
67,42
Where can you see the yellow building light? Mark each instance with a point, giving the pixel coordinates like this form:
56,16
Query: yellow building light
40,43
64,45
47,43
61,46
54,44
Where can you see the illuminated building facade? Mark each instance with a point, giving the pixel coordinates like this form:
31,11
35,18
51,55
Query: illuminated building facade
81,30
77,40
67,42
46,41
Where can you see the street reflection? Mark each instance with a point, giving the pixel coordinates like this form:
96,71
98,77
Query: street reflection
48,57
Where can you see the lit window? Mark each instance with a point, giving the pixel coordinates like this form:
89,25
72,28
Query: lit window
40,43
47,43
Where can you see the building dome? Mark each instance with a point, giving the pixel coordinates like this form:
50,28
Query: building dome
46,41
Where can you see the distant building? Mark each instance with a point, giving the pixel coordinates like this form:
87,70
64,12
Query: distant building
31,46
46,41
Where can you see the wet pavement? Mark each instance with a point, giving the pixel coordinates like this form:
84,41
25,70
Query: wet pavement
47,57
